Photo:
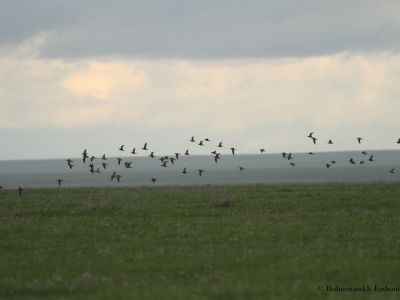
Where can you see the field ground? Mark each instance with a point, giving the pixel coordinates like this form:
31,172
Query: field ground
206,242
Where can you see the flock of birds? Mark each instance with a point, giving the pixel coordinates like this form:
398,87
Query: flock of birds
167,160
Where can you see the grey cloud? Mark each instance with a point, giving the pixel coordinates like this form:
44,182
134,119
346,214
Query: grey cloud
203,29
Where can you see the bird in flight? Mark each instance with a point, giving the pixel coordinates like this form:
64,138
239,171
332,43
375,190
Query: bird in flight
327,165
119,160
290,156
92,158
59,181
192,139
233,151
359,139
113,175
104,157
200,172
216,157
164,164
172,160
241,168
133,151
292,164
184,171
220,145
371,158
154,180
262,150
310,135
152,155
330,142
398,141
201,143
145,147
177,155
121,148
128,165
104,165
207,139
69,162
392,170
314,140
351,160
284,154
20,190
84,156
187,152
311,153
364,152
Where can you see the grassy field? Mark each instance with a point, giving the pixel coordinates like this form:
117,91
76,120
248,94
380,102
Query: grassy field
209,242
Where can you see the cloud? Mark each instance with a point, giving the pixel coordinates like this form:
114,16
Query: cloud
250,99
224,29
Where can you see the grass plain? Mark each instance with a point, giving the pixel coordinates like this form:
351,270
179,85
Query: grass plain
200,242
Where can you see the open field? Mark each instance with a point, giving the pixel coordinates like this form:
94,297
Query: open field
208,242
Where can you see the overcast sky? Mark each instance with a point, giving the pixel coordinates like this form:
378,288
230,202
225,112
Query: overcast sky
98,74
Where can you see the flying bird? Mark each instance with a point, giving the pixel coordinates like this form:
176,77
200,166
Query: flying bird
119,160
351,160
113,175
192,139
154,180
187,152
184,171
262,150
152,155
310,135
121,148
133,151
84,156
145,147
392,170
284,154
241,168
104,157
233,151
327,165
177,155
398,141
128,165
290,156
200,172
201,143
92,158
104,165
330,142
364,152
314,140
292,164
164,164
359,139
371,158
220,145
59,181
207,139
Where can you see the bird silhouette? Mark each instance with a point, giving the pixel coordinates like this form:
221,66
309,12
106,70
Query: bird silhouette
262,150
327,165
200,172
290,156
118,177
91,168
310,135
233,151
104,165
145,147
184,171
207,139
164,164
121,148
398,141
284,154
216,157
192,139
113,175
84,155
20,190
371,158
333,162
392,170
133,151
128,165
171,159
104,157
92,158
187,152
351,160
314,140
154,180
152,155
330,142
177,155
59,181
364,152
359,139
220,145
241,168
119,160
201,143
311,153
292,164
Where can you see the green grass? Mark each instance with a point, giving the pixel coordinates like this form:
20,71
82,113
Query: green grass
209,242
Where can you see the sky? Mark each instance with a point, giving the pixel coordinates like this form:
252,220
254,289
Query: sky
253,74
